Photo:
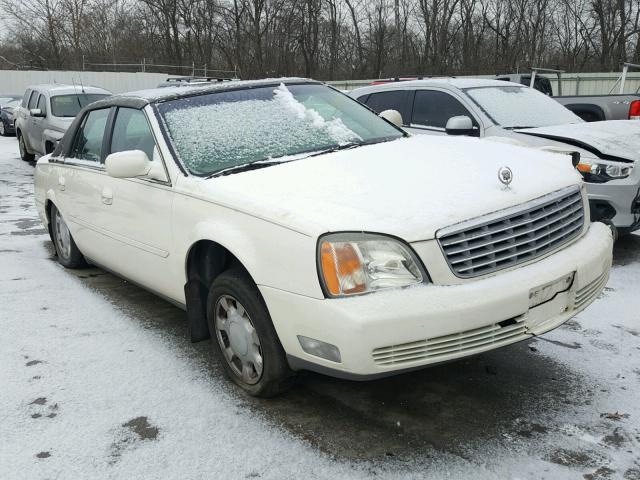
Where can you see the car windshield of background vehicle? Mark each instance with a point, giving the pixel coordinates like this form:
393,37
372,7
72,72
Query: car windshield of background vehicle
219,131
70,105
521,107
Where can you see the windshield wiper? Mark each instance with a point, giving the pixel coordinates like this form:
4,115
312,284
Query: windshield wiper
245,167
350,145
519,127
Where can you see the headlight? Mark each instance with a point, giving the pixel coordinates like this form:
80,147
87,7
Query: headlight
603,171
355,263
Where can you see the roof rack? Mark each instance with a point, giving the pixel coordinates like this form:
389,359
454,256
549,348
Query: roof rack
408,78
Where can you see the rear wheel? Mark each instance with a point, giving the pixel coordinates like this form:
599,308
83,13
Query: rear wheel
26,156
68,254
244,337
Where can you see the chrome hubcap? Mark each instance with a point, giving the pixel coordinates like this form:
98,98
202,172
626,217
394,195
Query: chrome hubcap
238,339
63,237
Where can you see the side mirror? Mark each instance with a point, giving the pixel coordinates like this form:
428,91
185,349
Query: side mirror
128,164
392,116
36,112
461,125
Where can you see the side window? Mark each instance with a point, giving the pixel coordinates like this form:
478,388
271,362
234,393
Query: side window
25,98
381,101
42,104
87,144
131,131
433,108
33,100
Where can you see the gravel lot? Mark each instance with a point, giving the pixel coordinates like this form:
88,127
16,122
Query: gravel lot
99,380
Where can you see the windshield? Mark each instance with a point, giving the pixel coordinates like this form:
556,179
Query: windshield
70,105
219,131
521,107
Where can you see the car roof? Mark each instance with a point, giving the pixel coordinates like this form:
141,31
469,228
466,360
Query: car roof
141,98
156,95
435,82
62,89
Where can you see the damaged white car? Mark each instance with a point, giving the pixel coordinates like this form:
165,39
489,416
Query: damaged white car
301,231
607,152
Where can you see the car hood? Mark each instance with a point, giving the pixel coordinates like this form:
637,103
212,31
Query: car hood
409,187
611,139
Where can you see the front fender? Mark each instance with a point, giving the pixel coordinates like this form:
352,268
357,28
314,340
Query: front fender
273,255
53,136
228,237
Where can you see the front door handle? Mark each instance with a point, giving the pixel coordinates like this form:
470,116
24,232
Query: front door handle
107,196
61,183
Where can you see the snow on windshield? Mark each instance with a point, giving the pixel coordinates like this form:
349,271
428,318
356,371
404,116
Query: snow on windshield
515,106
248,126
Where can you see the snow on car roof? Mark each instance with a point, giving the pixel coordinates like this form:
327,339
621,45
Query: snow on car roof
165,93
60,88
448,81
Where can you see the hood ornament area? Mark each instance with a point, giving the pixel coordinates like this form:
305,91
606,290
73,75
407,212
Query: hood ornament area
505,175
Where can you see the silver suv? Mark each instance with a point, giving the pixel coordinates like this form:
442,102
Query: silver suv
607,153
45,114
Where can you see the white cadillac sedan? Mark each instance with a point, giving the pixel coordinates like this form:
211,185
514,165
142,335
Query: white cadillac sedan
302,231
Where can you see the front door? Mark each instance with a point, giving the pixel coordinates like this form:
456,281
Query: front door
37,126
135,213
431,111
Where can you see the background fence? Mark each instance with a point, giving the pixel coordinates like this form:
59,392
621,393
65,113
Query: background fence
16,81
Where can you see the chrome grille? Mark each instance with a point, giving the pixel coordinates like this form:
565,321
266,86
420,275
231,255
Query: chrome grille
513,236
457,343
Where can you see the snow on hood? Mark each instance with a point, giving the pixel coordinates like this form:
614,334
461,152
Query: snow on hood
409,187
611,138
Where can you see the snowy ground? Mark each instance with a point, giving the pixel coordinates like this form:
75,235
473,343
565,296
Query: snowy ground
98,380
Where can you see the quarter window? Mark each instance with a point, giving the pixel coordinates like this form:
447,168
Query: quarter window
433,108
33,100
131,131
87,144
42,104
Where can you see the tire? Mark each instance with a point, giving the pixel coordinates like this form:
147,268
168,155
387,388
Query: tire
66,249
26,156
243,336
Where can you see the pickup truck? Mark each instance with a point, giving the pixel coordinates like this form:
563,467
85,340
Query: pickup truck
591,108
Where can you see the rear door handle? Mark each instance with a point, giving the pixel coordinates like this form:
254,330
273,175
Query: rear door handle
61,183
107,196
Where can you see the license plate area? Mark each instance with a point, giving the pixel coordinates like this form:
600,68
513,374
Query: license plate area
548,291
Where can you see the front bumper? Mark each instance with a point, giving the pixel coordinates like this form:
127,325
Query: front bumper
389,332
617,201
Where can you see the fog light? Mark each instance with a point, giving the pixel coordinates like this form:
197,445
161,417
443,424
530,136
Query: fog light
320,349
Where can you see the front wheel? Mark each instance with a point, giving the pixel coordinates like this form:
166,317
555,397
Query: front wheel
26,156
68,254
244,338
